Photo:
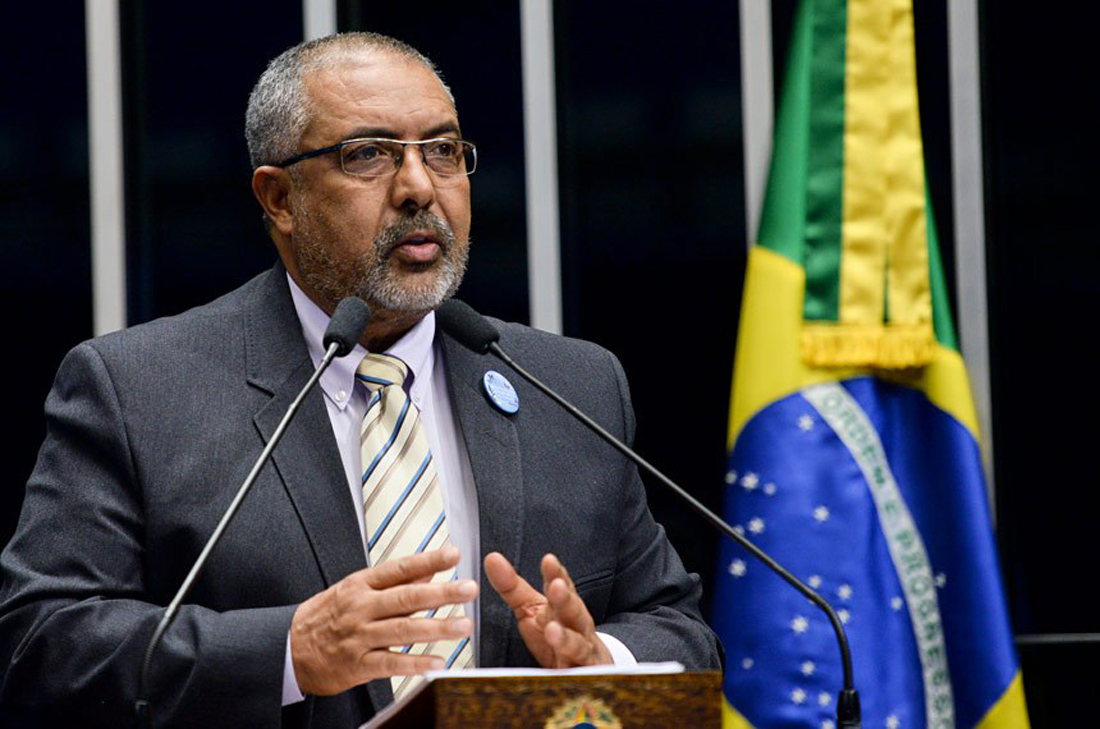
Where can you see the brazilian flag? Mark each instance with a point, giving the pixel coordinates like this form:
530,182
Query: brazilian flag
853,440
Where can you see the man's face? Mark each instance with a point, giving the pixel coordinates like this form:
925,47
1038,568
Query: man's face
401,241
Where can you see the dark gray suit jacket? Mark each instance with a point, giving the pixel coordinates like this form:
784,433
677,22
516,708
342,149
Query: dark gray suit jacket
150,431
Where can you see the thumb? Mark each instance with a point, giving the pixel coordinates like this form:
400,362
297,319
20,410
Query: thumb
515,590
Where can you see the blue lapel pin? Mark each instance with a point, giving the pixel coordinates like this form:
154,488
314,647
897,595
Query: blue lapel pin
500,392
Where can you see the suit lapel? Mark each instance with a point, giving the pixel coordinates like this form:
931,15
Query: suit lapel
493,447
307,459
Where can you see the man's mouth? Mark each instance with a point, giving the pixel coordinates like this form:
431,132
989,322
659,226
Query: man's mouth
418,247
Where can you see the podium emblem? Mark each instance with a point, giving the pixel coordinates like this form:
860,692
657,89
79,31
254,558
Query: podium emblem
584,712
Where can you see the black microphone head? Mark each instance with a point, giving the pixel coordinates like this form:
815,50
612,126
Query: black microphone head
345,329
470,329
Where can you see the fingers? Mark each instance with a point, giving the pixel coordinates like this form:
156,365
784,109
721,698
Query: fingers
568,608
552,568
388,663
410,569
516,591
502,575
566,604
341,637
570,647
408,599
333,649
570,630
556,627
395,632
535,639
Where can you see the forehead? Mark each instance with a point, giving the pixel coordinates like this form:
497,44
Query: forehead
377,95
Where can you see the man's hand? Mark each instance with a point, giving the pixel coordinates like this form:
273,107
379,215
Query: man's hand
554,623
341,637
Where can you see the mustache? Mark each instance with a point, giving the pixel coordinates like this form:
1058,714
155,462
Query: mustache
391,236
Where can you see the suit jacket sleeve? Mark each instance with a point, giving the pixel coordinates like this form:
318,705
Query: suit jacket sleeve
74,615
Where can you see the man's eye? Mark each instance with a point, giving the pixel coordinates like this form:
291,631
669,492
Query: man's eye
363,152
443,149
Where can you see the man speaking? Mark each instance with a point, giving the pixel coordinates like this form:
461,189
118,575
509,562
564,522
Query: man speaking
412,518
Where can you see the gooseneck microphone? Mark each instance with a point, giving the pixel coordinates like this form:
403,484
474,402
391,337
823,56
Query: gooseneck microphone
344,331
473,331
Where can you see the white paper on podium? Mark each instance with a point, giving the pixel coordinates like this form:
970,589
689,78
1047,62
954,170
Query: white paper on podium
640,668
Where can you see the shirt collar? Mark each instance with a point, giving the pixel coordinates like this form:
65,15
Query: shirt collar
338,382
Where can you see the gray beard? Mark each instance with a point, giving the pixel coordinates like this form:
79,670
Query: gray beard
371,277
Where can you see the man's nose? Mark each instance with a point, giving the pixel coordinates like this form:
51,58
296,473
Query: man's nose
412,183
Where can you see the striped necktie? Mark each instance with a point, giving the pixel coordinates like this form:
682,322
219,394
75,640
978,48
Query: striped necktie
401,499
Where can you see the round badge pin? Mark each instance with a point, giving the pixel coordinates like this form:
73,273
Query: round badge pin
500,392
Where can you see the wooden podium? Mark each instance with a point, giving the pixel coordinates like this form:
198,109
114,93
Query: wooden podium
611,701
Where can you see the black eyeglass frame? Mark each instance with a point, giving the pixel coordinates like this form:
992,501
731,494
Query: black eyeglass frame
397,162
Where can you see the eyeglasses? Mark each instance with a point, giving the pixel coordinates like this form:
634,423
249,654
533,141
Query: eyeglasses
448,159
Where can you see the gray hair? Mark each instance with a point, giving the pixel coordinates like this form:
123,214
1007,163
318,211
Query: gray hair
279,108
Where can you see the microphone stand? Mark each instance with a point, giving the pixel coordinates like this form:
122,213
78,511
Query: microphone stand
848,707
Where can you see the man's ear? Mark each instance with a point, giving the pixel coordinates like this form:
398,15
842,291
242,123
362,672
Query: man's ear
272,186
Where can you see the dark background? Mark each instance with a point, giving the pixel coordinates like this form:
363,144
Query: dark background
652,257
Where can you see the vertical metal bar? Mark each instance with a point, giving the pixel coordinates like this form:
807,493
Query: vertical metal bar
108,204
541,149
970,242
757,106
318,18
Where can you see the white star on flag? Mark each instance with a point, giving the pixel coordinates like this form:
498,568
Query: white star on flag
821,513
749,481
731,477
756,525
798,696
844,592
892,722
800,624
844,615
747,663
827,724
823,699
941,579
814,581
808,668
897,603
769,489
737,568
806,422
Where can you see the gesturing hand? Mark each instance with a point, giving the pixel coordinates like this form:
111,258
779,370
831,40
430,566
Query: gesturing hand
341,637
554,623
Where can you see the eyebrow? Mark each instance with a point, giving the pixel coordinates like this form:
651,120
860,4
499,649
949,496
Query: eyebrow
448,127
